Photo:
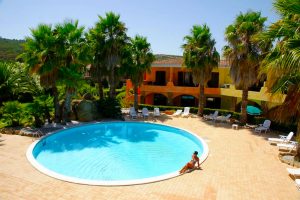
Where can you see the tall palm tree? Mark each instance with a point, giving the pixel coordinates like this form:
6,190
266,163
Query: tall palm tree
138,61
244,53
201,56
72,58
115,39
96,41
41,57
282,64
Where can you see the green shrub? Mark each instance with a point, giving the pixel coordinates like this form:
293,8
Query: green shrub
121,97
109,108
12,113
39,110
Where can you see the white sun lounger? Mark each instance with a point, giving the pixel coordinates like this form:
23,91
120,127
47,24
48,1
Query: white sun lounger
294,172
186,112
292,146
211,116
282,138
223,118
177,113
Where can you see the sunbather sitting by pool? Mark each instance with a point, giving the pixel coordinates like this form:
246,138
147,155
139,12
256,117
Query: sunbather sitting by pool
191,164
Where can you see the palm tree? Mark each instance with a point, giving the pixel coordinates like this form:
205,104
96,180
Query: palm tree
96,41
201,57
41,58
138,61
282,63
244,53
72,57
115,39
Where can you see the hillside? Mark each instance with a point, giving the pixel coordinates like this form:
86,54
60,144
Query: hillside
165,56
10,49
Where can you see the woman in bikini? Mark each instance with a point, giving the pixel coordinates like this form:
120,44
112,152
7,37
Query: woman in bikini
192,163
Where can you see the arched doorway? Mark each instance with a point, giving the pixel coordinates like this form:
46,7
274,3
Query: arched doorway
159,99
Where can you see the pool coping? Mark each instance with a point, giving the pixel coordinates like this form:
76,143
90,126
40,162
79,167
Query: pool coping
53,174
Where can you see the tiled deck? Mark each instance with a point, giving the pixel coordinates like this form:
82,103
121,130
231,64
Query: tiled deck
241,165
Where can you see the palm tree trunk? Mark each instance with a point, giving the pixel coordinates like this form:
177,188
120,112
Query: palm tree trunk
244,106
67,106
56,104
201,101
135,91
47,115
112,90
101,95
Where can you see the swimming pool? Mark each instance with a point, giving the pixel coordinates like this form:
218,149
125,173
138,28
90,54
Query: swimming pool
115,153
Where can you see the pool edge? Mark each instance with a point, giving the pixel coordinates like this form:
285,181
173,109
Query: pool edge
42,169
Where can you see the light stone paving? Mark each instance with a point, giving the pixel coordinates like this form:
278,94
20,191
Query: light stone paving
241,165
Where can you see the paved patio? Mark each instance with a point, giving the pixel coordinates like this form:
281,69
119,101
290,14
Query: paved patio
241,165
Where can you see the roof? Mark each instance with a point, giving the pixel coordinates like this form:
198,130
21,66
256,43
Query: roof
177,61
167,60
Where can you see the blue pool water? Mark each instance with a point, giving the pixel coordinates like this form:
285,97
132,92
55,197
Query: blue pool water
116,151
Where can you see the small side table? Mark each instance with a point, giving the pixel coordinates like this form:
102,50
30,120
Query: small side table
235,126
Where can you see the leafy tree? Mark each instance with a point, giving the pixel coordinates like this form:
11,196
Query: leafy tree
201,57
138,61
72,57
40,54
282,64
14,80
244,53
113,39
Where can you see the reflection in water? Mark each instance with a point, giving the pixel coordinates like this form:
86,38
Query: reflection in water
97,136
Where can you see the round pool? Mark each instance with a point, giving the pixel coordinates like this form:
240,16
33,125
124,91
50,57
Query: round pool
115,153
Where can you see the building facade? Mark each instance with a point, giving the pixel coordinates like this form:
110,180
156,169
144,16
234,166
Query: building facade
170,83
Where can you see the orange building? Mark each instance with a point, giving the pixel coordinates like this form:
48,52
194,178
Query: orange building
170,83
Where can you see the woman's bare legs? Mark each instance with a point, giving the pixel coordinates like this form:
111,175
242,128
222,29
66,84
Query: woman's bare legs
186,167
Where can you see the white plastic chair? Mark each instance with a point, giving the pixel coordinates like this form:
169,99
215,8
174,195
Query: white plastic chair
177,113
186,112
145,113
281,139
156,112
263,127
132,113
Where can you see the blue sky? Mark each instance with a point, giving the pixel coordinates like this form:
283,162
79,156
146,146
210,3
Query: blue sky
163,22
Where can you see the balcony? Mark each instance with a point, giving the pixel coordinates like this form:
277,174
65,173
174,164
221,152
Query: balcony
261,95
170,88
